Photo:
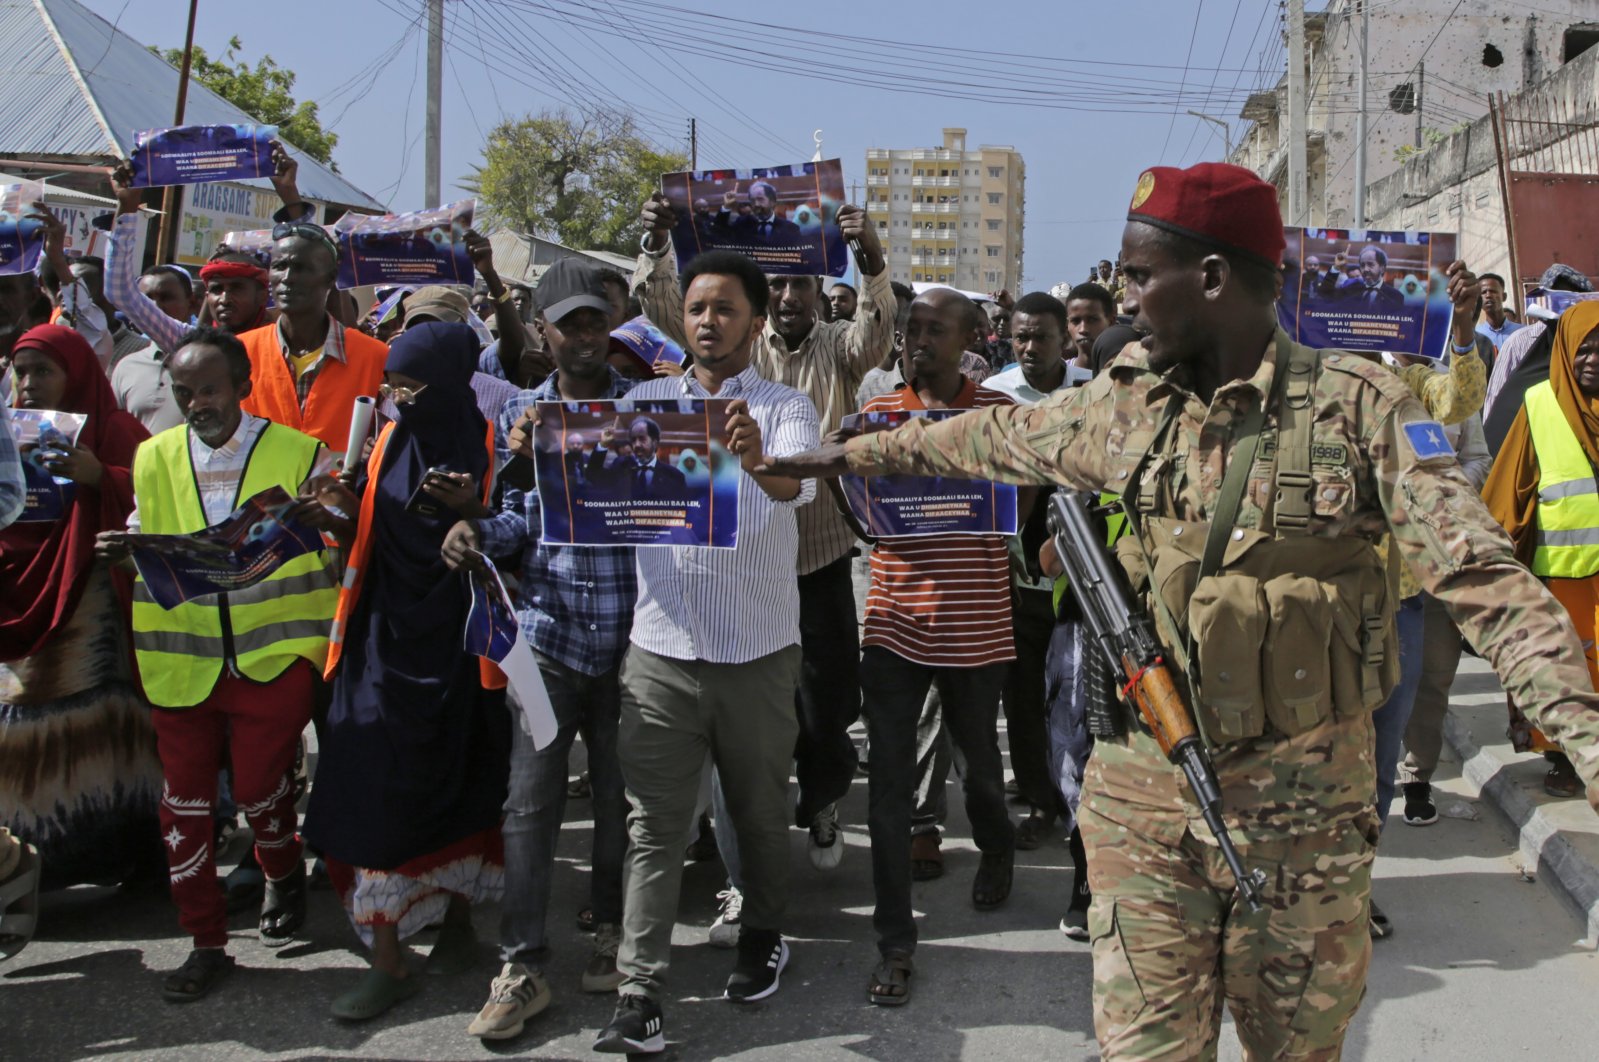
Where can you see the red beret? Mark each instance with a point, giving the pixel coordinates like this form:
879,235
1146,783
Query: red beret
1225,206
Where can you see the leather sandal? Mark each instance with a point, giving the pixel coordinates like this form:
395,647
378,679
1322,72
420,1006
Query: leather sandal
927,862
890,985
283,908
991,886
202,971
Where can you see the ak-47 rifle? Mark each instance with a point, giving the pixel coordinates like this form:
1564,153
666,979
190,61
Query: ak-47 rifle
1125,637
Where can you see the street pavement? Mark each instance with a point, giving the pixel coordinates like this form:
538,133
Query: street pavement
1484,964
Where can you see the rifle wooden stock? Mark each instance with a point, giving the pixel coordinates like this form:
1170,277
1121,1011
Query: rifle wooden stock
1161,704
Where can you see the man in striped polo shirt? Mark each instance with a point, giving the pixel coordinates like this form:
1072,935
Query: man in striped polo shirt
938,612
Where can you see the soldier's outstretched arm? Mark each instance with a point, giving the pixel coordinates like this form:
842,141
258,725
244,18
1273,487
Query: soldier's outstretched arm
1460,556
1061,440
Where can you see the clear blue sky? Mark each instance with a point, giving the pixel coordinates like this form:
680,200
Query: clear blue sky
506,58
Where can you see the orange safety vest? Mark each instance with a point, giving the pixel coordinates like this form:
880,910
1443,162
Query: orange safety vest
338,384
355,567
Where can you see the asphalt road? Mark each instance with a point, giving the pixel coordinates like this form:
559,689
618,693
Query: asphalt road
1484,964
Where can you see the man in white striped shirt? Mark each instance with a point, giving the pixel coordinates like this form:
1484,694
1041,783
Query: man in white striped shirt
826,361
713,665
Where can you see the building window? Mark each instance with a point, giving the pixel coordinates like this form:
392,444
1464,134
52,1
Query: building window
996,171
992,252
993,225
995,197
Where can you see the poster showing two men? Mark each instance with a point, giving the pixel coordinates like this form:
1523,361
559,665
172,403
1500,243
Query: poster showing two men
636,473
1353,289
783,217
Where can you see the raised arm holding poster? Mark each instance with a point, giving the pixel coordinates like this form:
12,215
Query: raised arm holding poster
636,473
21,237
201,154
888,506
251,544
1353,289
422,247
783,217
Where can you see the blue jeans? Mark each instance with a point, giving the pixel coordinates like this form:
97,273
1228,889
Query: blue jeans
536,804
1070,743
1390,719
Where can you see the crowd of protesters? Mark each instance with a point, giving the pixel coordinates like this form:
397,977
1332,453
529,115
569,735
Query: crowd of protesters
133,738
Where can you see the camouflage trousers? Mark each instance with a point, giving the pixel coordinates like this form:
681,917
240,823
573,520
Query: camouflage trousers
1170,943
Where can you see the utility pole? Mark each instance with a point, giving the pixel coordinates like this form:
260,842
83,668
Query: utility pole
1421,76
169,198
1298,162
693,144
1226,133
1360,116
435,105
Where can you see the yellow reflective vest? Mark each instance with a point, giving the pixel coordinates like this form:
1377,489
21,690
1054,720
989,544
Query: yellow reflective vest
1568,497
260,630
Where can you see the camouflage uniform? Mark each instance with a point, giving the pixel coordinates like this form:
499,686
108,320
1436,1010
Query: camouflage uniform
1169,943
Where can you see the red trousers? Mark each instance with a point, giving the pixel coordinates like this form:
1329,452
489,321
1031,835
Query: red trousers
260,724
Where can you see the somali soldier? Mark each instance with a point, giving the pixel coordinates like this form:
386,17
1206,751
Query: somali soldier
1291,625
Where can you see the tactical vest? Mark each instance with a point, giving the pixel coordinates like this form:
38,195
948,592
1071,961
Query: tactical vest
1568,498
1276,630
262,629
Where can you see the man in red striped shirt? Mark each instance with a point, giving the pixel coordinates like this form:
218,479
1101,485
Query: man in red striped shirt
938,611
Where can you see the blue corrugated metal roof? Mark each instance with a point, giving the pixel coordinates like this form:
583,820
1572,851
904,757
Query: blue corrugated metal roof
75,86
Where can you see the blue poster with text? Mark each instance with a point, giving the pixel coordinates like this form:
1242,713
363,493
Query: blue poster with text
637,473
1361,289
783,217
252,543
422,247
201,154
892,506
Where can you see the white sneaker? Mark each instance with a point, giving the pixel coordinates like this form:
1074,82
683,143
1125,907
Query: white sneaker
826,847
724,931
514,997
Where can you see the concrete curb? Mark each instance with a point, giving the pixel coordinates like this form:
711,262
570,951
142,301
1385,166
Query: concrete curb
1543,845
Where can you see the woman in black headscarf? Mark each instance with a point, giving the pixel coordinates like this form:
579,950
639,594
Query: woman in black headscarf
412,775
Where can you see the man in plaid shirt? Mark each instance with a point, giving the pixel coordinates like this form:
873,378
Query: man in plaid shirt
576,609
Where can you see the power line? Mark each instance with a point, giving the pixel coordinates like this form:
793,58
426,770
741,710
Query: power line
1199,9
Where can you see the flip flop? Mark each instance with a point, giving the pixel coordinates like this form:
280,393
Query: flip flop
890,985
19,903
375,995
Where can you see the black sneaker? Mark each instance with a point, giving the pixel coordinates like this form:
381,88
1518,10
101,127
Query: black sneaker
635,1027
762,955
1419,809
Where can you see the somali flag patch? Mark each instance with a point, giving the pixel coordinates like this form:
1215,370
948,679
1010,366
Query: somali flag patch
1428,440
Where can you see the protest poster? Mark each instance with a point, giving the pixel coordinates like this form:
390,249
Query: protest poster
252,543
640,346
1370,290
1555,302
38,434
894,506
784,217
492,632
21,237
257,243
422,247
201,154
636,473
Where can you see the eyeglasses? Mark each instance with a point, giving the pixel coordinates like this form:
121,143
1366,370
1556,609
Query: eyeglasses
284,229
400,396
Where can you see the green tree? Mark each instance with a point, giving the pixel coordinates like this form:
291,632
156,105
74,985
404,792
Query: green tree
265,93
576,179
